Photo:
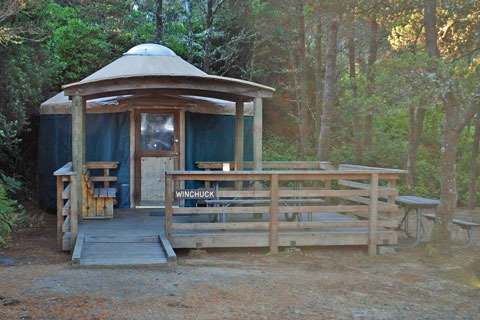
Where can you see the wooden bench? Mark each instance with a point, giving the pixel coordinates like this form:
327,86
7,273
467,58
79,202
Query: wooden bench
98,202
285,201
466,225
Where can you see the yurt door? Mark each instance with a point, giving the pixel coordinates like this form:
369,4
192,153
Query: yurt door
156,150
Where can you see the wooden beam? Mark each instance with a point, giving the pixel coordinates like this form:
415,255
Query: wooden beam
59,212
372,236
274,214
257,133
239,129
168,207
78,150
132,159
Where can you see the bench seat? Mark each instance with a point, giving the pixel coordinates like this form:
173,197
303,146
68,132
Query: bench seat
466,225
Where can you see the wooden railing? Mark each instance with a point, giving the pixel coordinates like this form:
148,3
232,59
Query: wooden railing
278,193
68,212
390,190
269,165
67,207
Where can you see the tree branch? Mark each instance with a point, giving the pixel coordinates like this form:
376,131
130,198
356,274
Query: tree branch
468,115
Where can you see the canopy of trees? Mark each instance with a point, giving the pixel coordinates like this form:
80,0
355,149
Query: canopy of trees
391,83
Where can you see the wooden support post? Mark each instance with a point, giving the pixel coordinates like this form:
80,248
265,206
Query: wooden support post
78,144
74,208
59,212
257,133
274,214
239,113
132,159
257,142
391,199
106,173
168,207
373,219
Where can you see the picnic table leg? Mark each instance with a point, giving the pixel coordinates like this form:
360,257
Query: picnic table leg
419,232
469,243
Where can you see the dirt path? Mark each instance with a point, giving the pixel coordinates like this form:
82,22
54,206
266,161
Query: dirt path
38,283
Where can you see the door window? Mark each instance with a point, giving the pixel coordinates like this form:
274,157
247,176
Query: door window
157,131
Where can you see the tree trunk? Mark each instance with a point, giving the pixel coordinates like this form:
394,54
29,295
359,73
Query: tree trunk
355,117
430,24
303,116
473,165
159,17
328,92
415,129
188,11
372,57
318,74
208,38
442,233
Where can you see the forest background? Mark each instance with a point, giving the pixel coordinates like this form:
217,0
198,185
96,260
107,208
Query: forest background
388,83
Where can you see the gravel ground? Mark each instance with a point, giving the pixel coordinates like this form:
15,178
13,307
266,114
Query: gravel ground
341,283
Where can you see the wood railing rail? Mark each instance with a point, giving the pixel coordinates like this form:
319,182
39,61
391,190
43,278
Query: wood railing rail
275,195
268,165
389,191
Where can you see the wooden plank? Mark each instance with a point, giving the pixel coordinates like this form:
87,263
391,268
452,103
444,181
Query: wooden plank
209,210
372,237
67,208
383,206
104,179
109,207
66,191
283,175
344,237
280,165
274,215
243,194
383,191
75,189
77,252
66,225
171,256
257,133
59,212
357,167
281,225
239,144
66,243
66,170
78,158
132,159
168,206
102,164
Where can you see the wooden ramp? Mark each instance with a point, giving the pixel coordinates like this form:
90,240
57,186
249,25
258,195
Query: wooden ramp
122,250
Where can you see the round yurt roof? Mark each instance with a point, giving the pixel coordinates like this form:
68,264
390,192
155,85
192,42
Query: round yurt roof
155,68
149,72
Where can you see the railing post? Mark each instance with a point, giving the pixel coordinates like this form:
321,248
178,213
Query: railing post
274,214
391,199
372,238
59,212
168,206
74,209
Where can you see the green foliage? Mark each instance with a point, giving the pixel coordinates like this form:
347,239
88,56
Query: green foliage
8,216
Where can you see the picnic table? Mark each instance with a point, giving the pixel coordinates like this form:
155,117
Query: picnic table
416,204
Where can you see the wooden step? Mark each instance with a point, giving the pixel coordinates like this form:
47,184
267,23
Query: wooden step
104,193
66,224
66,192
66,209
66,241
120,250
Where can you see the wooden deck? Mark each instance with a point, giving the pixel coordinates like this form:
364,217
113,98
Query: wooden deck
133,225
